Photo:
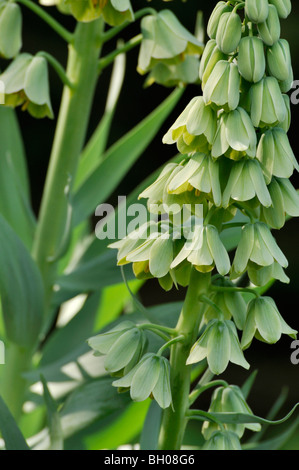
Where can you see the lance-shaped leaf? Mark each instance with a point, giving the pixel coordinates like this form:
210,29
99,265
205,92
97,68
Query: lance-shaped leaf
21,289
11,434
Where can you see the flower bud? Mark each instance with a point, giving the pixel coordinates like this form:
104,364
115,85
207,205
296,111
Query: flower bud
209,59
283,7
229,32
279,60
220,345
223,86
246,180
229,399
223,440
235,136
287,84
286,123
151,376
204,250
258,245
267,103
264,322
10,30
165,39
257,10
251,59
276,155
26,83
215,17
269,31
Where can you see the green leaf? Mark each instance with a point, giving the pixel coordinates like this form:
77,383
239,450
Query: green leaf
11,434
54,423
14,186
114,166
151,429
248,384
277,442
21,289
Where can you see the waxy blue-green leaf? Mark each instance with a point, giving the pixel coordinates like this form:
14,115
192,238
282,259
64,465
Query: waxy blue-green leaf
11,434
111,170
21,289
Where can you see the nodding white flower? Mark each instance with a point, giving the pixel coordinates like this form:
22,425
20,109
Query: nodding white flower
283,7
196,125
276,155
151,376
122,346
246,181
220,345
231,304
229,32
222,440
264,322
235,136
26,84
258,245
251,59
204,250
223,86
10,29
285,200
171,75
165,40
269,30
267,105
229,399
257,10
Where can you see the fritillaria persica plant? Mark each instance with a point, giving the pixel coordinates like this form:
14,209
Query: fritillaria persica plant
59,284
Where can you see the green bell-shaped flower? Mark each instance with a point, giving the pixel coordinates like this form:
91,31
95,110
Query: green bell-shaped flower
204,250
257,10
166,40
245,182
223,86
196,124
261,275
279,60
267,104
285,200
276,155
229,399
286,123
231,304
283,7
251,59
229,32
201,173
26,83
131,242
235,136
269,31
219,10
258,245
123,347
265,323
211,55
114,12
10,29
151,376
220,345
171,75
223,440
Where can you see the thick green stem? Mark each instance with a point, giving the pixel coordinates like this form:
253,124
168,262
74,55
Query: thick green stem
13,388
68,142
174,421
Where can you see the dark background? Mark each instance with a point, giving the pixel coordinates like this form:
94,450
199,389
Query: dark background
273,362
